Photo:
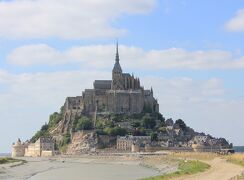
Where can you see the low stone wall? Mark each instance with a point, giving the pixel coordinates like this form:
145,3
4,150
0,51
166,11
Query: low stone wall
158,148
207,149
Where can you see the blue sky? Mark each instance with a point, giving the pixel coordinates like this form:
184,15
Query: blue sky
191,52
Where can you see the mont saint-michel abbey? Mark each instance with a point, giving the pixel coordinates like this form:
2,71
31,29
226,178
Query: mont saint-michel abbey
109,108
122,94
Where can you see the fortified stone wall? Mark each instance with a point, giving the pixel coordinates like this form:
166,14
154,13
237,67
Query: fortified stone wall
33,150
18,149
42,147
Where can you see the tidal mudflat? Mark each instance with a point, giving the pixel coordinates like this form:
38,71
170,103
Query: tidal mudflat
80,168
96,171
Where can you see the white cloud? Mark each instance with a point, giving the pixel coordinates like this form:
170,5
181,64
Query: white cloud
236,24
66,19
186,90
37,54
100,56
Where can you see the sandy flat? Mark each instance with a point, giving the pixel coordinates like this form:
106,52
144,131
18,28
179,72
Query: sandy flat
96,168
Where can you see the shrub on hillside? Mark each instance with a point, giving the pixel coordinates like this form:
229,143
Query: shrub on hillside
148,122
115,131
84,124
154,136
54,119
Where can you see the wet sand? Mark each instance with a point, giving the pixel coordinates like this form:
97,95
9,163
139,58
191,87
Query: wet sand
94,171
76,168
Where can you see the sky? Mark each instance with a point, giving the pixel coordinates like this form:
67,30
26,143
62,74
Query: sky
191,52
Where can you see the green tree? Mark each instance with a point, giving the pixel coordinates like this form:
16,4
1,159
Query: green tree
162,129
75,122
44,127
63,145
154,136
54,119
180,123
139,132
115,131
109,124
101,132
148,122
160,117
39,134
66,139
100,124
135,124
62,110
84,124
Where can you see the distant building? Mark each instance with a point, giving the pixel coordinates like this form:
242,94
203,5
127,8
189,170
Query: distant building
200,139
41,148
132,143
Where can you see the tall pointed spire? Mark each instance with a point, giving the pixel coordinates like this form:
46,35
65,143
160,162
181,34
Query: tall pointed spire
117,67
117,51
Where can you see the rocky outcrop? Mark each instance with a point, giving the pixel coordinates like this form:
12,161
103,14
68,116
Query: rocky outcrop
82,142
65,125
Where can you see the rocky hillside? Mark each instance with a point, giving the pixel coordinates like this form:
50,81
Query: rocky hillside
75,132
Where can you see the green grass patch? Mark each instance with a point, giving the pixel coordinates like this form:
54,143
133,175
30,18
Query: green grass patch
185,168
7,160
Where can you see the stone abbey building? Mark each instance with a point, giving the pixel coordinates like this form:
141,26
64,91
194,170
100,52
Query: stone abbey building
122,94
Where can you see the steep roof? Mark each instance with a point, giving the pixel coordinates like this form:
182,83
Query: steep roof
102,84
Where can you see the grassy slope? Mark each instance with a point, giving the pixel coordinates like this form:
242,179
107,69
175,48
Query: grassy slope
185,168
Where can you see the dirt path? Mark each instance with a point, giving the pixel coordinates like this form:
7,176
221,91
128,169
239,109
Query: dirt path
220,170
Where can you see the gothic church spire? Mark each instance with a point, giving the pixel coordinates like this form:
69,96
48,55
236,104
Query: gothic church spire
117,67
117,52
